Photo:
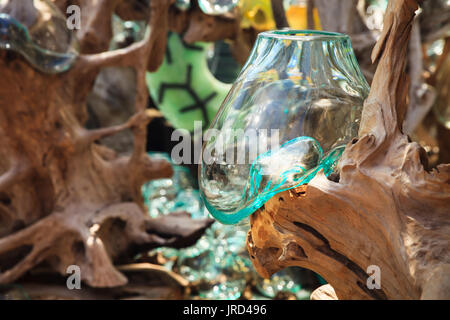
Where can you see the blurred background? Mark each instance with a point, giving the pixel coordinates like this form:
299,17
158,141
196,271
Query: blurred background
217,266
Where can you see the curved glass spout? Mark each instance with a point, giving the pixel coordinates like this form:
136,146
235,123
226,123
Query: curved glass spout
43,40
290,113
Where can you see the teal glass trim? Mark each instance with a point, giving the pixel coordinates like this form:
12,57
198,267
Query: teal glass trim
276,184
14,36
183,5
308,87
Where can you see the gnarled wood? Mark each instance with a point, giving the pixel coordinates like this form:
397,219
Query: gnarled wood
66,200
384,208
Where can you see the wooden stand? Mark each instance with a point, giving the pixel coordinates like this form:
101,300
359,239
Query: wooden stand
64,199
384,209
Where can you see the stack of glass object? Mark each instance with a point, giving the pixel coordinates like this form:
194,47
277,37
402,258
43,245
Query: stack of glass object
218,263
215,7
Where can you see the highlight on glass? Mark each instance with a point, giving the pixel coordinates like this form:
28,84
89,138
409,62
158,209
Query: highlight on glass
211,7
40,35
298,101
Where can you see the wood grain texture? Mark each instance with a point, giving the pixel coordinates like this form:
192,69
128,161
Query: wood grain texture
385,207
64,199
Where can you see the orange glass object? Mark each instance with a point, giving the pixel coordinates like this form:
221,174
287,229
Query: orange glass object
297,17
257,14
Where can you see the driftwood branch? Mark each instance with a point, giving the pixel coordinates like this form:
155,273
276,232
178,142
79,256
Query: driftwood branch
421,95
279,14
65,199
384,209
343,16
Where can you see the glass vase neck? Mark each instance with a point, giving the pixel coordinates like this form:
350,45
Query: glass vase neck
307,55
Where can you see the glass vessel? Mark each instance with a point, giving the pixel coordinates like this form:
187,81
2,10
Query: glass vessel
257,14
217,7
38,31
183,5
287,280
184,88
126,32
295,105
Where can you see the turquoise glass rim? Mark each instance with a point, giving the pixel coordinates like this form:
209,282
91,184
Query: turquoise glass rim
326,164
304,35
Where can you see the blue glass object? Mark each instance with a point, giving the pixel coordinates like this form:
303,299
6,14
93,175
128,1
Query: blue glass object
41,37
163,196
218,264
287,280
441,106
211,7
126,33
217,7
183,5
295,105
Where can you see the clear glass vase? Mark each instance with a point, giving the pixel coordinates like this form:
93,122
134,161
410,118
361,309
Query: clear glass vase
295,105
